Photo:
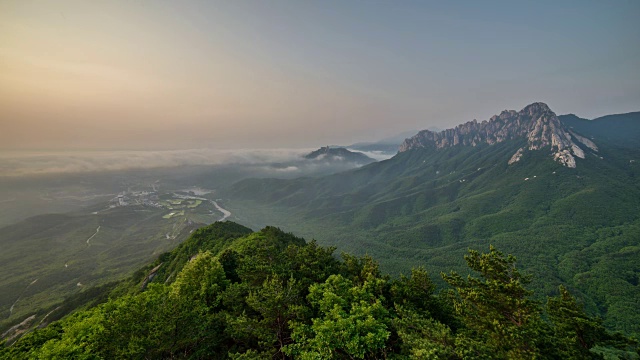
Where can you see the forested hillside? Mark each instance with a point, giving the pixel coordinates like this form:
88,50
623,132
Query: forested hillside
229,293
426,206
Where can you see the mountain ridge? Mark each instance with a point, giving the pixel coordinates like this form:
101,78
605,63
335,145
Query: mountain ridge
427,203
229,292
619,129
339,154
535,122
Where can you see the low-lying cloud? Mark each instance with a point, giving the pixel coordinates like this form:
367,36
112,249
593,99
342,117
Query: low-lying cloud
376,155
14,164
34,163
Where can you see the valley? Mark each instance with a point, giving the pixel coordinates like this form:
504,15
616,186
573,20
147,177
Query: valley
320,180
570,221
59,255
78,234
578,226
271,294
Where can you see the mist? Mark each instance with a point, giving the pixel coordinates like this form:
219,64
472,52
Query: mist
275,161
35,163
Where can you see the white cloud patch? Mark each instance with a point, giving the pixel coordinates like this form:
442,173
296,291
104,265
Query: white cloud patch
34,163
288,169
376,155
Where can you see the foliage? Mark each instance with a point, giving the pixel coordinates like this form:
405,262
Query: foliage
352,321
575,332
424,208
271,295
499,316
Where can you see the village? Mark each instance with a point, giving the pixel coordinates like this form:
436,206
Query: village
190,203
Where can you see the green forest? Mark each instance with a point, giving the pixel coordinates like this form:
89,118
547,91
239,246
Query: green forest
228,292
577,227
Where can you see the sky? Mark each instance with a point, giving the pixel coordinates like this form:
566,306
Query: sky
154,74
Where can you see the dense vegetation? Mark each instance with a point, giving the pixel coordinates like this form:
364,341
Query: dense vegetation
425,207
230,293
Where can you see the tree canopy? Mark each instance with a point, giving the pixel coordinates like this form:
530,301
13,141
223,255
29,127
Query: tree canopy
271,295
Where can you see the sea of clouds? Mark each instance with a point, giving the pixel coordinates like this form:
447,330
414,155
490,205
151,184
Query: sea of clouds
26,163
34,163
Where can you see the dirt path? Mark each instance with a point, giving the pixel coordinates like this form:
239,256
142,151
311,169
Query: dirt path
96,233
18,299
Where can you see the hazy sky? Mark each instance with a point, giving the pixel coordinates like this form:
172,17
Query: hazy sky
142,74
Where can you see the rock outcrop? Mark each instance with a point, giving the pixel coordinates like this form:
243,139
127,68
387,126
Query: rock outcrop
536,123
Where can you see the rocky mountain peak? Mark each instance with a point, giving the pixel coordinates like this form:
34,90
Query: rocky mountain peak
536,123
537,108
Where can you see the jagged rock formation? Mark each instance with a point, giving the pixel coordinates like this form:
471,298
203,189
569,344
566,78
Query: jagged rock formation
536,122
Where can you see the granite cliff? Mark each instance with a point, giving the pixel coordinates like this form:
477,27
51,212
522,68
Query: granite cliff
536,123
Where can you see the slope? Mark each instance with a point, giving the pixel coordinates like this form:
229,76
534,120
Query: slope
269,294
48,258
618,129
576,226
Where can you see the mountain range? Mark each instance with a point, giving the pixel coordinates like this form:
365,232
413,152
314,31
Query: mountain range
536,122
559,192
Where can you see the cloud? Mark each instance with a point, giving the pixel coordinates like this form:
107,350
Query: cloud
288,169
376,155
34,163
